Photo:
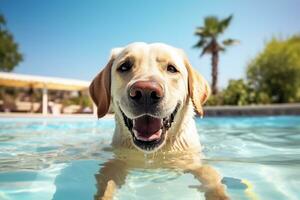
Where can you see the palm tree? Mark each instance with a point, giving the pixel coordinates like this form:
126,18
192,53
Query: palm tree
208,42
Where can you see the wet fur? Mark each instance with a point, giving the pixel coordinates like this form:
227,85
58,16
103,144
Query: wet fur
182,141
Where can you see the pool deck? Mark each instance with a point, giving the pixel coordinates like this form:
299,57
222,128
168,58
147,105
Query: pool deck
209,111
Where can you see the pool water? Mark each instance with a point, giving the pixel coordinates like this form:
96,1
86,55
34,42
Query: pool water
258,158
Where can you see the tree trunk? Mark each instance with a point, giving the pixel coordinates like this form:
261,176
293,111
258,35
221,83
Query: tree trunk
214,72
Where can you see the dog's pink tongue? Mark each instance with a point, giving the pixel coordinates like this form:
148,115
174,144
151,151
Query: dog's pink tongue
147,128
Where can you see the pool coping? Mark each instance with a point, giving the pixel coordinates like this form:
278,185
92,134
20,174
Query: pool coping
253,110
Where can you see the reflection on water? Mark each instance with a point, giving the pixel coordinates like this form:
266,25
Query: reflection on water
58,159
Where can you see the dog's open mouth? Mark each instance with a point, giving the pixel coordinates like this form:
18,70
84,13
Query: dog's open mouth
149,132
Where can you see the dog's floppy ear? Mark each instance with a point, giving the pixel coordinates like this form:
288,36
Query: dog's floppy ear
100,87
198,88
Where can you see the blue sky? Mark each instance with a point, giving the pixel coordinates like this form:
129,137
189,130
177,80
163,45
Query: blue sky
72,38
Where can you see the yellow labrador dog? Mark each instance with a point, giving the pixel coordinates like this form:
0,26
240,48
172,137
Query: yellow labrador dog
154,92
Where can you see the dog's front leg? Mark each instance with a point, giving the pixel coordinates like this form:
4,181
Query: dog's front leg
111,175
211,182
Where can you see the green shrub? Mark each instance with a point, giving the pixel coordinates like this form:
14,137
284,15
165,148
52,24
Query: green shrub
274,75
236,93
215,100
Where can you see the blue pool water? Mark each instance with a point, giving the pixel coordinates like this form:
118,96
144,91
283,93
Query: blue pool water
259,158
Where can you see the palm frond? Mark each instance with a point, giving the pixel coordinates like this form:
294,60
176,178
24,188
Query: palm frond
201,43
207,49
229,42
199,30
202,32
209,32
223,24
211,25
211,21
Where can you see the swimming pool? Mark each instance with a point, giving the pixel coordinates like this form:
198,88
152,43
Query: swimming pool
259,158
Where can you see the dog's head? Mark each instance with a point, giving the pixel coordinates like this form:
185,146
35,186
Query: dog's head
148,85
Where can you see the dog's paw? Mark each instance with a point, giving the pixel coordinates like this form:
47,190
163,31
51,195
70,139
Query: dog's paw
109,191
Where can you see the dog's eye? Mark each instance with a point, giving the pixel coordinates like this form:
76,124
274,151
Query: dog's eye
124,67
172,69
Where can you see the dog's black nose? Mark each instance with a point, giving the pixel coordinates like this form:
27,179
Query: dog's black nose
146,92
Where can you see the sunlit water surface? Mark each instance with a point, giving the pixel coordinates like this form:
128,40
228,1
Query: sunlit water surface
259,158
